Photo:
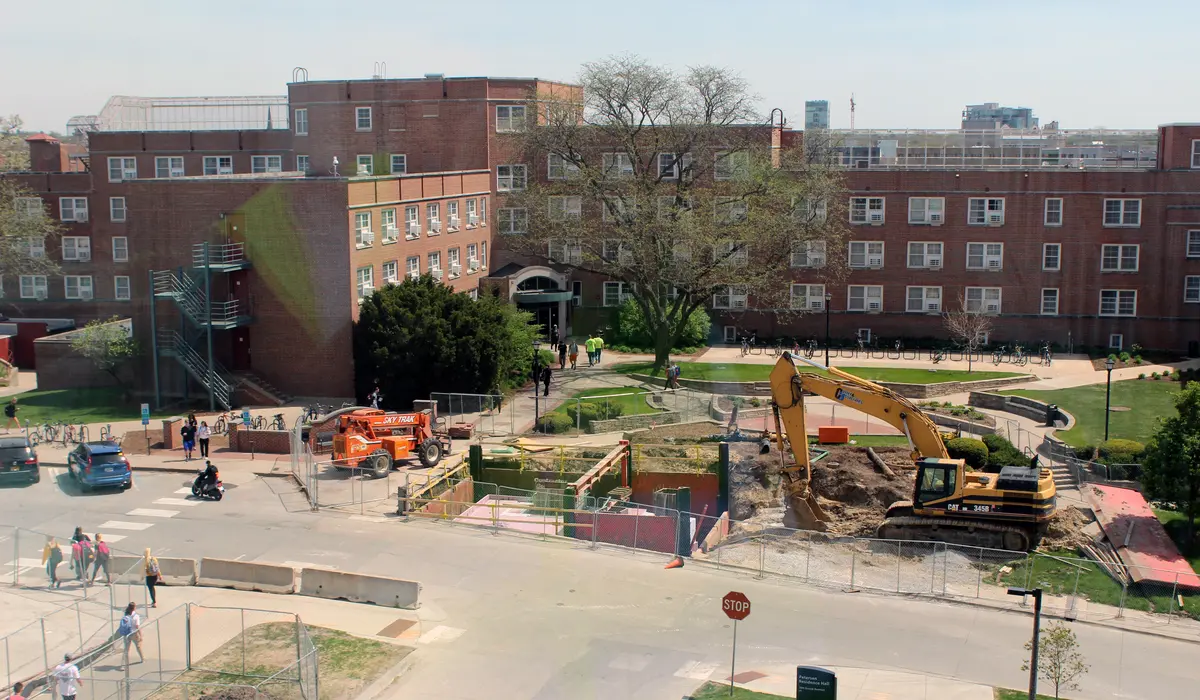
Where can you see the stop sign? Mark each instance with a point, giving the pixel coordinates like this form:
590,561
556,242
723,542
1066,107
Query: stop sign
736,605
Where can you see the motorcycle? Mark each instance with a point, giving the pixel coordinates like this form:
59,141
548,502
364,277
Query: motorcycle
214,490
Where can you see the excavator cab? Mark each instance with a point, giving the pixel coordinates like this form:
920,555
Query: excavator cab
937,479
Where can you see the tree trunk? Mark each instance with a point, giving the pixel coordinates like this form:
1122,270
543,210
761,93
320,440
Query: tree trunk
662,347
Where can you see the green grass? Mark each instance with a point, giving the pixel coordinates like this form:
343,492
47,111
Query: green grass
715,691
1173,522
740,372
1006,694
1146,400
76,406
632,400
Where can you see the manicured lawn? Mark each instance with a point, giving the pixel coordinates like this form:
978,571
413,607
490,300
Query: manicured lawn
75,406
1006,694
739,372
716,691
1146,400
609,402
1173,522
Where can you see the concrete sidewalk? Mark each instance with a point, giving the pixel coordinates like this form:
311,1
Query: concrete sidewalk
864,684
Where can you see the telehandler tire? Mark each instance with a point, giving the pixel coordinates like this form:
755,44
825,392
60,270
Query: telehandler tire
380,464
430,453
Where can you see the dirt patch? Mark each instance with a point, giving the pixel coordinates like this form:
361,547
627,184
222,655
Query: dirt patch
1066,530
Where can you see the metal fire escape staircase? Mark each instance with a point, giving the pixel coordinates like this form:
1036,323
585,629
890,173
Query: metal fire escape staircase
191,345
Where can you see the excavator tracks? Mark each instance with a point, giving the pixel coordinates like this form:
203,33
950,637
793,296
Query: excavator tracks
972,534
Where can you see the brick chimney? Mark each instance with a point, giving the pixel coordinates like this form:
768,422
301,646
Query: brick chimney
47,155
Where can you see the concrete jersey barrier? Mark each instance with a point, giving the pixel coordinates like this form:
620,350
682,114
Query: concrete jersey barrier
360,588
175,571
247,576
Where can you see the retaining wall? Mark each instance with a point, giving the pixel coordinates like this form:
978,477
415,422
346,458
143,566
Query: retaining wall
247,576
654,532
1020,405
912,391
960,424
453,501
276,442
360,588
643,420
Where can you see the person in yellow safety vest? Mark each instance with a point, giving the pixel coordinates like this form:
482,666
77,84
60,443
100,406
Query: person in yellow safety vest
599,347
590,346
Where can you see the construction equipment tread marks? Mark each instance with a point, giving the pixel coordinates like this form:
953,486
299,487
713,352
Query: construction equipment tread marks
969,533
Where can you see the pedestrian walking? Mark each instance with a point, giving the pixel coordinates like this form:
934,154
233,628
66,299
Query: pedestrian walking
153,576
130,631
10,412
77,565
203,434
66,676
375,397
18,691
78,535
562,354
88,556
590,346
103,556
573,353
188,433
546,380
554,334
52,556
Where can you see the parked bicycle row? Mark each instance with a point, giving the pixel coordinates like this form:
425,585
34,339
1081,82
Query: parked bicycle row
64,433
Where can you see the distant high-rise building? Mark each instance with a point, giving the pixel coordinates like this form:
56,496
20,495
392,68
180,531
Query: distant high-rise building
991,115
816,114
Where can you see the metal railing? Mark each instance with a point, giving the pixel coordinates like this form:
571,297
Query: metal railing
219,254
222,383
191,299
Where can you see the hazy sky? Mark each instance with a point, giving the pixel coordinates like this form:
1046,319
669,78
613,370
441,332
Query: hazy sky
1085,63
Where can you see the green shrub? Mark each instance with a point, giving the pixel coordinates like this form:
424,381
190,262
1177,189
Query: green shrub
946,404
976,415
974,452
555,423
756,402
1141,375
1112,356
1154,376
1085,451
1126,450
1125,357
592,411
1137,359
1006,458
996,443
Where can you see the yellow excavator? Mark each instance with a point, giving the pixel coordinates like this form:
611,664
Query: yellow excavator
1009,510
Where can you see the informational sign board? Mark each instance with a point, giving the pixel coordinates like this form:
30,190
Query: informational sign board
246,417
145,414
815,683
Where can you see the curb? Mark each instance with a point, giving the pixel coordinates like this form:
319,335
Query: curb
189,470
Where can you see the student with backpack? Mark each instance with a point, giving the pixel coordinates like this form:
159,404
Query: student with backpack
153,577
52,556
103,553
130,631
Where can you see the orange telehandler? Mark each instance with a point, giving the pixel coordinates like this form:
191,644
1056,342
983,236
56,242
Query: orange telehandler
373,439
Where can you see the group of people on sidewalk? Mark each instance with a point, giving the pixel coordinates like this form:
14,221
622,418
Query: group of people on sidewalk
96,555
191,432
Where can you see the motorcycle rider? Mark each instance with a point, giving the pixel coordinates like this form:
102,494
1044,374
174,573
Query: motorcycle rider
208,478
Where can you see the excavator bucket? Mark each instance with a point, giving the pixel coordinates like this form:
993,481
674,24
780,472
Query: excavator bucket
804,513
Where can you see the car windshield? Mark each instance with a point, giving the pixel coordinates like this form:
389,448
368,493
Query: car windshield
108,459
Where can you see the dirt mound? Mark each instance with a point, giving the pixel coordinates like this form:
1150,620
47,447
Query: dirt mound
1066,530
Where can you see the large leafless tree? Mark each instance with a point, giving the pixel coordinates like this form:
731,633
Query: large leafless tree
673,184
969,327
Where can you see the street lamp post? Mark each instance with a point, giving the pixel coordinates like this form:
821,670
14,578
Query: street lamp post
828,299
537,375
1108,365
1037,624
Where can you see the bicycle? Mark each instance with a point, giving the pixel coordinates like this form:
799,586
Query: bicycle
277,423
745,346
258,423
106,433
811,349
938,356
998,355
1020,358
81,433
1047,355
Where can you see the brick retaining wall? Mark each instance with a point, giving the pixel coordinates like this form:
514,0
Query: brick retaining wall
276,442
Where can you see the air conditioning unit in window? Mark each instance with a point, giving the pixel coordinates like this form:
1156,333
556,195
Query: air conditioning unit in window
85,294
816,304
435,226
437,274
875,261
413,230
738,304
993,308
993,264
413,274
933,306
816,261
40,295
455,270
936,219
995,219
454,223
176,172
81,217
875,218
84,256
472,220
472,265
935,263
874,305
389,232
366,237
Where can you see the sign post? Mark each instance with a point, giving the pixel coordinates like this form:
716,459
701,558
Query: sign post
737,607
146,425
246,427
815,683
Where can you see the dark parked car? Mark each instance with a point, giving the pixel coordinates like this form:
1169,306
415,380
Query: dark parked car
18,460
100,463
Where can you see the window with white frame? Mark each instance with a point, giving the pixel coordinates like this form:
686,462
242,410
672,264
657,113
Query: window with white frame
733,297
454,261
512,220
673,207
510,177
559,168
925,254
927,210
388,232
362,118
77,286
563,208
121,168
33,207
731,253
615,293
302,164
561,251
808,297
1118,302
617,165
861,297
614,250
33,287
867,210
266,164
116,209
391,272
983,299
1196,153
219,165
985,211
412,223
577,292
1051,257
672,165
366,282
1191,289
924,300
1119,258
434,261
483,211
1049,301
73,209
810,211
433,218
731,165
1193,244
866,254
1122,212
510,118
985,256
728,210
168,166
399,164
120,249
76,248
121,288
366,164
37,247
453,223
808,254
617,209
301,122
412,267
1053,214
363,234
472,214
472,258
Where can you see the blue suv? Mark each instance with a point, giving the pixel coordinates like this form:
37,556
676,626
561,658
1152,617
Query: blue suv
102,463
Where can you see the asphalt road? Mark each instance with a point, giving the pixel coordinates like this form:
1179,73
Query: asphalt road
515,618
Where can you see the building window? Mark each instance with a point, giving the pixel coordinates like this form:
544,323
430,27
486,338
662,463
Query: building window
985,256
452,221
120,249
168,166
866,210
388,232
399,164
1119,258
614,250
472,214
927,210
33,287
121,289
1196,153
615,293
454,261
1193,244
366,282
808,254
302,164
811,211
363,234
510,177
617,165
77,286
116,209
924,300
731,253
1116,341
730,210
412,223
121,169
435,263
560,251
983,211
672,165
1049,302
362,118
733,297
563,208
472,258
925,255
559,168
510,118
983,299
366,164
808,297
412,267
512,220
433,218
73,209
864,298
301,122
866,254
32,207
483,211
37,247
731,165
673,207
1051,256
1054,211
1191,289
266,164
1122,212
1118,302
220,165
391,272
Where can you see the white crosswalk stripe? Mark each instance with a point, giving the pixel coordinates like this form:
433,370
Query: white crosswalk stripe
177,502
185,490
112,539
123,525
152,513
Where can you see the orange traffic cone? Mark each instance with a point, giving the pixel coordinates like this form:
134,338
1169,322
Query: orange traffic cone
676,563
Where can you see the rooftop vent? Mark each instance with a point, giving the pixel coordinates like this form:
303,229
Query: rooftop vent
435,76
